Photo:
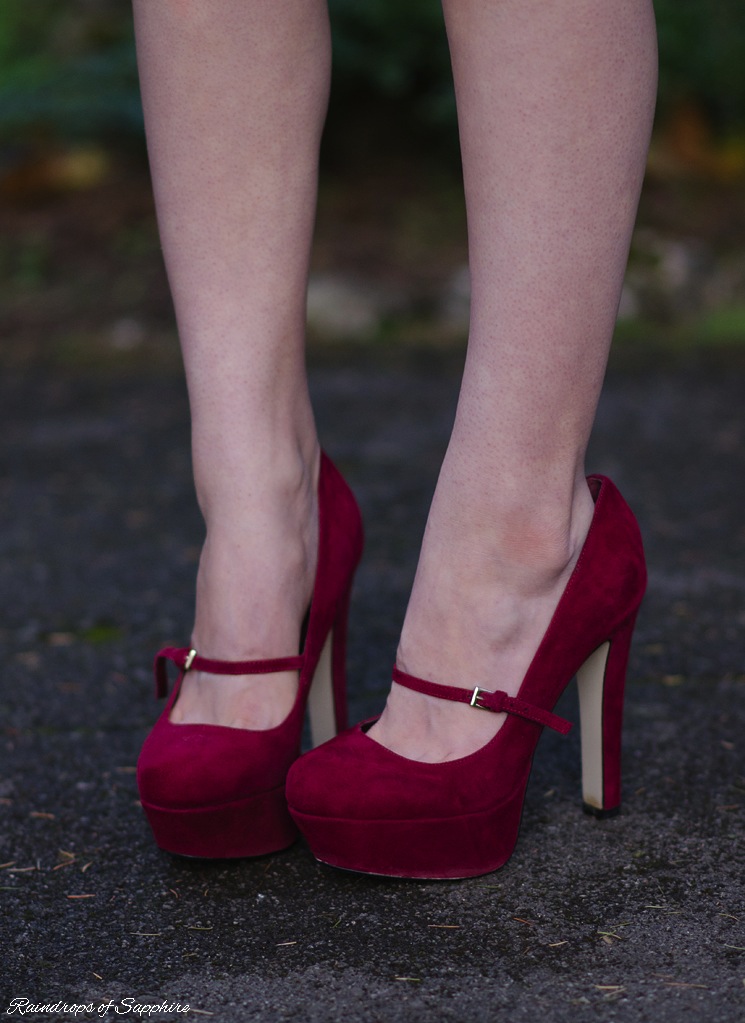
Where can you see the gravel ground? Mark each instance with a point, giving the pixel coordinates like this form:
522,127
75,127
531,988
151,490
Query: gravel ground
639,918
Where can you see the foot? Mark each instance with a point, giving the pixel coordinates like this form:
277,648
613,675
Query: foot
254,586
478,611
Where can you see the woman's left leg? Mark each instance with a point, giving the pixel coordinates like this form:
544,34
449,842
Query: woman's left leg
555,99
555,102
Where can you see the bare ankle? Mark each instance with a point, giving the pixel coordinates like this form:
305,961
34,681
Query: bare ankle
257,567
234,477
483,597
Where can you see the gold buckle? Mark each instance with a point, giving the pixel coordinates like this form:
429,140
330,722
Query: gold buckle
189,659
476,697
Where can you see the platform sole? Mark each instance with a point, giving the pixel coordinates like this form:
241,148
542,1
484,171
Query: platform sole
427,849
255,826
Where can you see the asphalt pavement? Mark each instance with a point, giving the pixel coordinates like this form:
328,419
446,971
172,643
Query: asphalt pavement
638,918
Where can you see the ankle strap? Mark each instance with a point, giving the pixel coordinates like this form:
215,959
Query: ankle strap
187,659
497,702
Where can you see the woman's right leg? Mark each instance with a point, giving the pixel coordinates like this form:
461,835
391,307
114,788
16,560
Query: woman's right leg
235,94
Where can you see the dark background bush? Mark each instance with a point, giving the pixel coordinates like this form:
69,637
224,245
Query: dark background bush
67,70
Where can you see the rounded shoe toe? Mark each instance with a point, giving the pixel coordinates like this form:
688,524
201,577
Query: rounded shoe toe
183,766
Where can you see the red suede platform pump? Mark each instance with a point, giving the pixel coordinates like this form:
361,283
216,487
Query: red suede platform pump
216,791
364,808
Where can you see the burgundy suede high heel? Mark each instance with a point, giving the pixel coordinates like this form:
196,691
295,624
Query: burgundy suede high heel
216,791
362,807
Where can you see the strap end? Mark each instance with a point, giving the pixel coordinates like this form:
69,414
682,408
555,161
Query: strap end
160,667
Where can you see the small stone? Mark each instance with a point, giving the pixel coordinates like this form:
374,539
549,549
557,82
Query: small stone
126,334
628,308
455,306
340,308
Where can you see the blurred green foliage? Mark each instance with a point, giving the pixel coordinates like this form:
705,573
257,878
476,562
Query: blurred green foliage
67,70
702,58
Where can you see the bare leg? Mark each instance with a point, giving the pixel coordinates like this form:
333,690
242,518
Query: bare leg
235,94
555,100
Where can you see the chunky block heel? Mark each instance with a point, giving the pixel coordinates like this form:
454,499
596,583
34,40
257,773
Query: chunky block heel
362,807
215,791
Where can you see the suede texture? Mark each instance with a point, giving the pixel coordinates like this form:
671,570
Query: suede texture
495,701
475,843
428,814
197,766
249,827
